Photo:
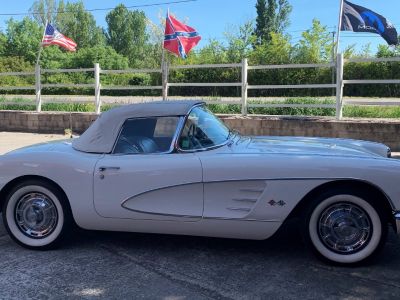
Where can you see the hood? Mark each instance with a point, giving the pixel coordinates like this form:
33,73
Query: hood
312,146
52,146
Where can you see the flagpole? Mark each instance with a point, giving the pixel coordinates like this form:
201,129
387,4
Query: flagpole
339,26
40,45
164,70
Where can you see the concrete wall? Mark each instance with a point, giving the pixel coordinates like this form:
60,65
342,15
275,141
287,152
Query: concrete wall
384,131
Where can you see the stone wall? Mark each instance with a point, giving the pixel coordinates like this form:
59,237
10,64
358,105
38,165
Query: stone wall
384,131
45,122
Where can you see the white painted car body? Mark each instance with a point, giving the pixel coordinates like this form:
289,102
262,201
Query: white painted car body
244,189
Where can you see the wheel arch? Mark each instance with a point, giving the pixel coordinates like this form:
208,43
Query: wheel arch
7,188
378,196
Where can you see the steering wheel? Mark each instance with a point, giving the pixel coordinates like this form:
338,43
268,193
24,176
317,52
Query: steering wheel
192,137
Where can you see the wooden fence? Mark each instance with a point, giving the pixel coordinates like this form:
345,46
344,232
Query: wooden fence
337,66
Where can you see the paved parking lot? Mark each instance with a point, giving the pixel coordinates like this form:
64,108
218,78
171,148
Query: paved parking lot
96,265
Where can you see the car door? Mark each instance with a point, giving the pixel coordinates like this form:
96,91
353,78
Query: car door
148,186
159,186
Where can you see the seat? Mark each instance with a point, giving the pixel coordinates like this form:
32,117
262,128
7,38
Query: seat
145,144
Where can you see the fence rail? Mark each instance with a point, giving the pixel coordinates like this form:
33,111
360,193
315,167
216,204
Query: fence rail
336,66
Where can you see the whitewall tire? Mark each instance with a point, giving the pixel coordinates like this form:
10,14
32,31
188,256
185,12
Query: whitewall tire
345,227
36,215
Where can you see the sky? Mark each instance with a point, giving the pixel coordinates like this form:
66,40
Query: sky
211,18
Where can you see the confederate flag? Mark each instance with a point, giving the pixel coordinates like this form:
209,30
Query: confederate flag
179,38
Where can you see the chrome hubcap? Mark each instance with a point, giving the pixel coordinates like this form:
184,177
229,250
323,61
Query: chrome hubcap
344,228
36,215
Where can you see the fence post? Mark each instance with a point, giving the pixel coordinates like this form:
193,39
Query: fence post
244,86
97,88
38,88
164,76
339,86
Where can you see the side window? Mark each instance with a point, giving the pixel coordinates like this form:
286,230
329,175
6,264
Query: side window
146,135
202,130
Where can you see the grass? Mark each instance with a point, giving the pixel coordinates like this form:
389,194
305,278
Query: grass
348,111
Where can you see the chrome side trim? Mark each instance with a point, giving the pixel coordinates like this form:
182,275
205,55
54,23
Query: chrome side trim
397,221
162,214
252,190
241,219
245,200
239,209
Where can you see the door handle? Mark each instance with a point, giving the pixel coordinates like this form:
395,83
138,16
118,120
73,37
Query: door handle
102,169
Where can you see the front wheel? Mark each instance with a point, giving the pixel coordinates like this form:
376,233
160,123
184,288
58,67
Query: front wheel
344,227
36,215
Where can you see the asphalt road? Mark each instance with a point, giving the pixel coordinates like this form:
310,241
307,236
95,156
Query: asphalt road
101,265
143,266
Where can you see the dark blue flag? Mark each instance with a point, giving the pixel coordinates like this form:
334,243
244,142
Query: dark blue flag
360,19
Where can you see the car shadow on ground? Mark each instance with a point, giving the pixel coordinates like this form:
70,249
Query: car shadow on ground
287,244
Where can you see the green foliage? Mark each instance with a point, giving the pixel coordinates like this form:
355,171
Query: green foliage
80,25
349,111
3,43
106,56
277,51
272,17
315,46
387,51
23,38
240,40
53,57
47,10
126,33
15,64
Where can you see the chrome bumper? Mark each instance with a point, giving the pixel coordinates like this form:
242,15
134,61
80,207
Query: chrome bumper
397,221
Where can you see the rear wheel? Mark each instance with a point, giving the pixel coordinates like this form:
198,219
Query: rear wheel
36,215
345,227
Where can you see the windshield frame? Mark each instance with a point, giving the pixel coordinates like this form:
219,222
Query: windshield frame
180,150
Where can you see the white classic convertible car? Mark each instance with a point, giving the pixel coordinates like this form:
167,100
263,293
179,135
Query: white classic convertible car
172,167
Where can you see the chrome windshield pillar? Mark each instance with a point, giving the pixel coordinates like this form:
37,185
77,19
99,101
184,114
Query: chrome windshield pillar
397,221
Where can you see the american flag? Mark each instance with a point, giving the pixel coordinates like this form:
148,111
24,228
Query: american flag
179,38
53,37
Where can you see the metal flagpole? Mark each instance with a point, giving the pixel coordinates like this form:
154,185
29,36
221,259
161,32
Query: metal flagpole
164,70
40,45
339,26
163,74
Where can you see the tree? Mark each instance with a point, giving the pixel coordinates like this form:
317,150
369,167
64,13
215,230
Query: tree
240,40
277,51
47,11
316,44
387,51
271,17
23,38
104,55
126,33
80,25
3,42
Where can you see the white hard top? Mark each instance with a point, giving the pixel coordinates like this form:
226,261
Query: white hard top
101,135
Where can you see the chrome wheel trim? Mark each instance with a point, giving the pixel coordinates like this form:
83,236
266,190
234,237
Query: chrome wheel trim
36,215
345,228
14,228
362,253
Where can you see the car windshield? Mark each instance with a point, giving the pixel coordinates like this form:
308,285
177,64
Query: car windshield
202,130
